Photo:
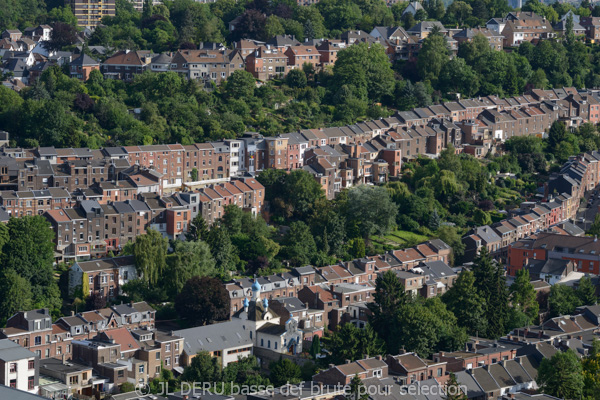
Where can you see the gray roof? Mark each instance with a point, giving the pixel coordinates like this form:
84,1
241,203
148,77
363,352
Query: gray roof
10,351
437,269
551,266
220,336
465,379
487,234
15,394
84,60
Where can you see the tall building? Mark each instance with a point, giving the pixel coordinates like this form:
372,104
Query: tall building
89,13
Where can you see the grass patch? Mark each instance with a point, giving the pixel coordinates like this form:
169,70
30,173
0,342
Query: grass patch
399,239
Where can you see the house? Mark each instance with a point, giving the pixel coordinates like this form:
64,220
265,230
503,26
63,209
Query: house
225,340
424,28
526,26
561,28
77,376
82,66
31,330
482,236
105,276
412,8
18,367
367,368
591,26
300,55
207,65
411,368
126,64
551,271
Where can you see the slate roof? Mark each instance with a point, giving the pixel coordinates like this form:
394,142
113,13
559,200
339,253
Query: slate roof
10,351
214,337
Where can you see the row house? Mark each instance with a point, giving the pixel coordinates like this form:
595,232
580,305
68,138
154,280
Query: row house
266,63
35,202
126,64
207,65
360,271
210,161
583,251
526,26
104,276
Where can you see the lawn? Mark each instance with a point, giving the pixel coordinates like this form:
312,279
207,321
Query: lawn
399,239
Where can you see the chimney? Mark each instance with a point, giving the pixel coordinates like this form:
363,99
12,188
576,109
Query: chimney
379,357
348,361
64,359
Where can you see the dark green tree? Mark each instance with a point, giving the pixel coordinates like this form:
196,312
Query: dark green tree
561,375
357,390
523,296
202,301
467,305
352,343
198,229
299,244
203,368
586,291
283,372
388,299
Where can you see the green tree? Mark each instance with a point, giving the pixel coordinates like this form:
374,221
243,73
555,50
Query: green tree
221,248
491,285
202,300
451,236
357,248
371,220
150,251
194,174
357,390
453,390
299,244
556,134
190,258
366,70
296,78
562,300
240,85
481,217
523,296
283,372
586,291
352,343
433,56
434,220
203,368
389,297
467,305
198,229
15,295
315,346
561,375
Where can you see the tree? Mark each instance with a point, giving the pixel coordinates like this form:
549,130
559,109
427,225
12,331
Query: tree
202,300
562,300
296,78
388,298
194,174
491,285
197,230
357,390
523,295
561,375
434,220
299,244
433,56
315,346
481,217
357,248
150,251
428,326
452,389
283,372
586,291
366,70
29,252
15,295
556,134
458,77
203,368
221,248
240,85
62,35
450,235
352,343
466,304
187,260
369,219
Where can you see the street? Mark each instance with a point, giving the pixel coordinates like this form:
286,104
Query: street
586,216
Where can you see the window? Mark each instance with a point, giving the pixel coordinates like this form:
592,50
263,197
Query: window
31,364
168,361
176,360
13,383
141,368
74,380
120,373
377,373
168,347
13,368
30,383
38,341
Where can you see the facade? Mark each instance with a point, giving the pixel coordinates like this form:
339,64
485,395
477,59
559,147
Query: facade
18,367
89,14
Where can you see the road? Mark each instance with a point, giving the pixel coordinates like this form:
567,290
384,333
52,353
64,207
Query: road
589,213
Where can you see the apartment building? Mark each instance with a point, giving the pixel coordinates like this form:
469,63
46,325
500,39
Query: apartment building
18,367
207,65
89,13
